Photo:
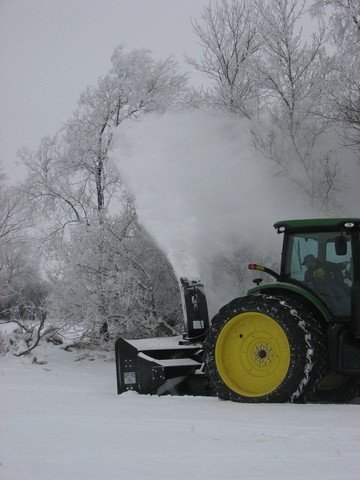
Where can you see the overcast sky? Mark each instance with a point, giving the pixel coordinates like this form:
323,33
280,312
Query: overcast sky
50,50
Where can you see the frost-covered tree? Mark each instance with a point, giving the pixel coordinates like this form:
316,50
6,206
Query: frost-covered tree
56,194
136,84
73,173
293,75
15,219
19,278
76,188
261,66
22,289
344,92
228,37
116,289
14,214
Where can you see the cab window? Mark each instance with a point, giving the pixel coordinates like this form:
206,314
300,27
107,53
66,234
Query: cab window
322,261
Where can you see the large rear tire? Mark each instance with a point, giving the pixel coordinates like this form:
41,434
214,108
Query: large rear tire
262,348
335,388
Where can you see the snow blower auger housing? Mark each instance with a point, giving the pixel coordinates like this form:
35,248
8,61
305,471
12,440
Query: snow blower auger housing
170,364
290,340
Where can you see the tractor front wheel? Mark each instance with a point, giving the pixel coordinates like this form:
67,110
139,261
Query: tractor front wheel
262,348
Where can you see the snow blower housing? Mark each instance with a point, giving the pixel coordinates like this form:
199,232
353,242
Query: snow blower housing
166,365
290,340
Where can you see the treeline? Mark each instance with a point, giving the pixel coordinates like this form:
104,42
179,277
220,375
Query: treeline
69,263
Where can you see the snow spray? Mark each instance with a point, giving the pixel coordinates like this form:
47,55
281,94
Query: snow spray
201,189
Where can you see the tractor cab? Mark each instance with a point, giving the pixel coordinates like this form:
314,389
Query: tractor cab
321,258
320,262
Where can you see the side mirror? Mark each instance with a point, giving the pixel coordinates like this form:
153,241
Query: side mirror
341,246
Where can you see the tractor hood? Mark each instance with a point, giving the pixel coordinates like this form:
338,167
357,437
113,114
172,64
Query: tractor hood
285,287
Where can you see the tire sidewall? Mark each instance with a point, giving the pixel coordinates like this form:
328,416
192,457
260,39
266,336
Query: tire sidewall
302,347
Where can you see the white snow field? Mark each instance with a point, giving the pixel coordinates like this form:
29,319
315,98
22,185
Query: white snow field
64,421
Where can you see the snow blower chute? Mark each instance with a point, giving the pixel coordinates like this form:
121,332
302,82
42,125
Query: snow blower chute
170,364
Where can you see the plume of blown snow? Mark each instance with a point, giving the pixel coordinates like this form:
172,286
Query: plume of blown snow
202,190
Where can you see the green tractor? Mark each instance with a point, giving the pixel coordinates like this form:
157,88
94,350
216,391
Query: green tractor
294,339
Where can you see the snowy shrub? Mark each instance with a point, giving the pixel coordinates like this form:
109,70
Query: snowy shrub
110,279
3,347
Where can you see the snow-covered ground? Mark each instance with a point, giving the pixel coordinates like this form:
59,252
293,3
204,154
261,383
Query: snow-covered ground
63,420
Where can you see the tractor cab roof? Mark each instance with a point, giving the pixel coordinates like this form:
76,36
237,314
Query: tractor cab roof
318,224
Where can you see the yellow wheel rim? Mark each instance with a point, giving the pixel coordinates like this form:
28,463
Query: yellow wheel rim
252,354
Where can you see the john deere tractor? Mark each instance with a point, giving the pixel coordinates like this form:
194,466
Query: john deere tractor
293,339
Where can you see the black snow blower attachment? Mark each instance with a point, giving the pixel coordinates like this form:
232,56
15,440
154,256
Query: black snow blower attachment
170,365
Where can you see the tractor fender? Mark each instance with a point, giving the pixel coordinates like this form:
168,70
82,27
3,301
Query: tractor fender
284,288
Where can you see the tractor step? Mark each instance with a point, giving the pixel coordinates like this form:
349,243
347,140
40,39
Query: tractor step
159,366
